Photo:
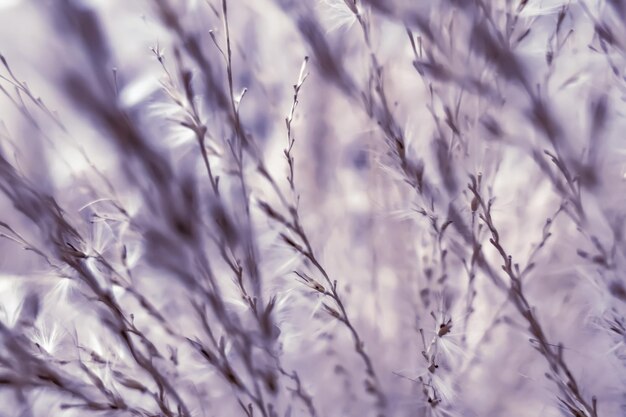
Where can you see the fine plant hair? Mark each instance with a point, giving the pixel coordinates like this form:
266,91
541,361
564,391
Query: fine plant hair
285,208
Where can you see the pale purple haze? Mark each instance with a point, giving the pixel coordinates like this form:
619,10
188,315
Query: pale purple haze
316,208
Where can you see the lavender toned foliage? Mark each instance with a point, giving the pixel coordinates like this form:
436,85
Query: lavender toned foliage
316,208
